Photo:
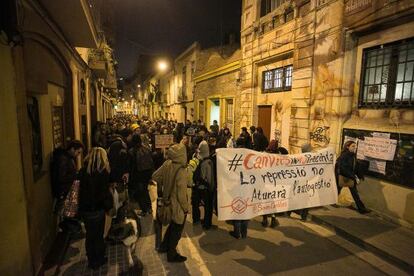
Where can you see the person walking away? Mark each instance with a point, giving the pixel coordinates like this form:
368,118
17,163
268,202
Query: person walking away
204,186
67,173
172,176
347,166
141,168
95,199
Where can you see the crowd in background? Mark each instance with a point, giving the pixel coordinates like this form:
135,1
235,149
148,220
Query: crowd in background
124,152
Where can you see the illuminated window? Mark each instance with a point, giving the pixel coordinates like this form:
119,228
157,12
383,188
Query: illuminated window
277,80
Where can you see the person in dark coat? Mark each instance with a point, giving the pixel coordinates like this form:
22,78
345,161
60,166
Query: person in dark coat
245,138
95,199
260,141
347,166
141,167
118,160
66,175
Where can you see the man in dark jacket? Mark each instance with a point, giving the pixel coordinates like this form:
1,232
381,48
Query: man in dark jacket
141,167
67,167
67,174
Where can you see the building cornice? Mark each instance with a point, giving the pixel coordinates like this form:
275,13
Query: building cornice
233,66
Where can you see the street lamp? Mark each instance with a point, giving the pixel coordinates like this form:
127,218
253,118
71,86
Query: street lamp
162,65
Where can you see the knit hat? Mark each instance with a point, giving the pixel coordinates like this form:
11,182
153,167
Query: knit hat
203,150
134,127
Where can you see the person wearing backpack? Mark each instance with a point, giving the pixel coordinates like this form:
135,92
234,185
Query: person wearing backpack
141,169
172,181
204,186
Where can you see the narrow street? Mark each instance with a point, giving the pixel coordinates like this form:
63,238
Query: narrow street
292,248
113,111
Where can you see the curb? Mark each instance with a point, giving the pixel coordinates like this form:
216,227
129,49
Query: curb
365,245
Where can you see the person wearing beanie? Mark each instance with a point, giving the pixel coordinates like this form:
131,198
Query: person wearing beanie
204,186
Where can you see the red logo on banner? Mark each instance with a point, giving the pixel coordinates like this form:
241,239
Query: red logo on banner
239,205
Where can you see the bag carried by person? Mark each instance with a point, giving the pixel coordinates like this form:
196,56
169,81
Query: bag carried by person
164,207
71,202
345,181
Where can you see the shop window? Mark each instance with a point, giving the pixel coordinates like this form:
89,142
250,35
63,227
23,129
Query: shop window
37,153
266,6
277,80
387,75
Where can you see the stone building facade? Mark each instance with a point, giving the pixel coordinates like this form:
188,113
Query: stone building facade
50,92
216,88
319,70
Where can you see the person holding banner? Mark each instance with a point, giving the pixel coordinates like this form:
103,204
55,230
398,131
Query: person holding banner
240,226
346,167
273,147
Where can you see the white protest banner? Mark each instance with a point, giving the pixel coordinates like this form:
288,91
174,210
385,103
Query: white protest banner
163,140
252,183
380,148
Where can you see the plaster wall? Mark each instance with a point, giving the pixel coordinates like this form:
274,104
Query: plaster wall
388,199
15,255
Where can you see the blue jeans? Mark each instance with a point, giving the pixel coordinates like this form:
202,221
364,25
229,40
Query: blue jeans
240,228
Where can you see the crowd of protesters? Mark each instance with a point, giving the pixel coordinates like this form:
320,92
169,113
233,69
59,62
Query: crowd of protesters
124,152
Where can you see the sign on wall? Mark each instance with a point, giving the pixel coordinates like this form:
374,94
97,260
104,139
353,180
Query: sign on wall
253,183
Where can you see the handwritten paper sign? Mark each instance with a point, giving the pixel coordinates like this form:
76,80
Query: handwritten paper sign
380,148
163,140
377,166
252,183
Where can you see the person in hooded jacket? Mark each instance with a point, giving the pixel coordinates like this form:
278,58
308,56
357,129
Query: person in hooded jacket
172,176
118,160
204,187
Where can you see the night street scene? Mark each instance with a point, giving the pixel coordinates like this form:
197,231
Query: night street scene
207,137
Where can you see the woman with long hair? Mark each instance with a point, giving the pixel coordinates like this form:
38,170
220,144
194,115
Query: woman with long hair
347,166
95,199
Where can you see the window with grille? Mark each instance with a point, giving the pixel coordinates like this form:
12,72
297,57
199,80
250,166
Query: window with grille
388,75
277,80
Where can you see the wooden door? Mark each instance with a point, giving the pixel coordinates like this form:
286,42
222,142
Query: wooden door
265,118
